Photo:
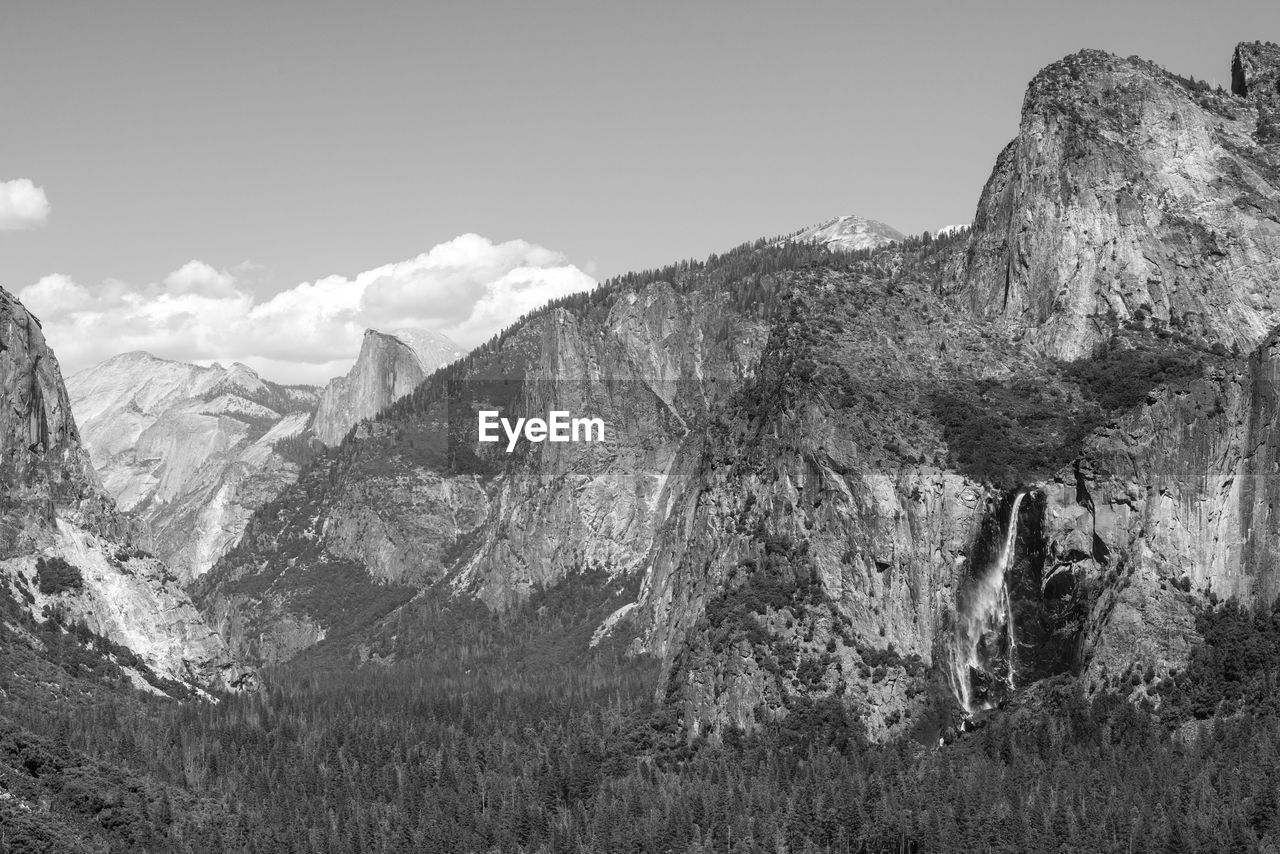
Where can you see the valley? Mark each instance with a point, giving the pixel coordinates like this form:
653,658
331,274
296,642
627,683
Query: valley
961,541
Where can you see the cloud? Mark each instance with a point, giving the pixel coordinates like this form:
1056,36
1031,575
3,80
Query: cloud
468,288
22,205
197,277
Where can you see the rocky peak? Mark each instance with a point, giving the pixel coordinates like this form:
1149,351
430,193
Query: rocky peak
1129,193
390,365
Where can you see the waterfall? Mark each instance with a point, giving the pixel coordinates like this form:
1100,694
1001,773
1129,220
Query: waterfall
985,631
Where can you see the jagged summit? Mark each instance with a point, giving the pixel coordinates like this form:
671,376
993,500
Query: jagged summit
849,233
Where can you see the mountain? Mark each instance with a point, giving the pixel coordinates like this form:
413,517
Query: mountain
987,511
191,451
1082,410
1162,263
390,365
1131,193
72,576
849,233
902,485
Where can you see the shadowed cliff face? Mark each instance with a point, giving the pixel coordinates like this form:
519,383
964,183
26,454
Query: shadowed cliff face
52,509
1173,506
1130,193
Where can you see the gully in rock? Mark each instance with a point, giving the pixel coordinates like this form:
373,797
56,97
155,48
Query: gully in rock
984,647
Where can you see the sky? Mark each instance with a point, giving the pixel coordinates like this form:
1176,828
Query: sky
260,181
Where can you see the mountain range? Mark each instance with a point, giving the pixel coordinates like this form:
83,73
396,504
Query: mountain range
856,489
813,456
192,451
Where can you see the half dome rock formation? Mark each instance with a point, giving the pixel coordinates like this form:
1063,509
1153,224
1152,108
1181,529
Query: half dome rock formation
390,365
850,233
66,553
191,450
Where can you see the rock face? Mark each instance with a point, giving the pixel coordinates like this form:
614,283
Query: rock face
1178,493
850,233
54,511
1131,193
1255,75
191,451
390,365
813,458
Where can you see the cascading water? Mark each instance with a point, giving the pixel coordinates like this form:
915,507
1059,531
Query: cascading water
985,636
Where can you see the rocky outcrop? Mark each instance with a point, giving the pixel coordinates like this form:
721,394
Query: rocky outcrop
65,552
390,365
1255,75
1129,193
191,451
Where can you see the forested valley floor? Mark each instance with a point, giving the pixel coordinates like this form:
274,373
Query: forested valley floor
505,739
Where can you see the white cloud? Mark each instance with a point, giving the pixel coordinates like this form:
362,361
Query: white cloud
22,205
468,288
197,277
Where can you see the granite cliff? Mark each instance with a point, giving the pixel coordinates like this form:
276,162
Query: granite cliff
390,365
66,554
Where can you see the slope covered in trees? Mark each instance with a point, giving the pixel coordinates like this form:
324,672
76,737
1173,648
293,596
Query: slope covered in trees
489,742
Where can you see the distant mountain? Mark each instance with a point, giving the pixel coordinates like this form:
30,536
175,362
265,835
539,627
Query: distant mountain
71,566
390,365
191,450
850,233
